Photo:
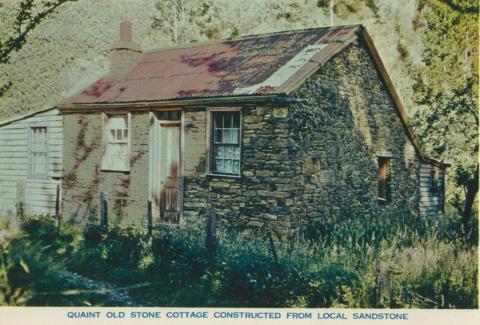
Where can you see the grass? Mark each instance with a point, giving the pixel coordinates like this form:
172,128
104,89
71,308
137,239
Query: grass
420,266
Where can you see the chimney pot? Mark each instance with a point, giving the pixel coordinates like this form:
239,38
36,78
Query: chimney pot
124,53
126,31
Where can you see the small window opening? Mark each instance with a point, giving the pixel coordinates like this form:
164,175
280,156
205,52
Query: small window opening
384,180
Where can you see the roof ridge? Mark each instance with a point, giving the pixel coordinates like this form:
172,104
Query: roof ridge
245,37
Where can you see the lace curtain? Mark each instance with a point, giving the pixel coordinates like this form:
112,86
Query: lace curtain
227,143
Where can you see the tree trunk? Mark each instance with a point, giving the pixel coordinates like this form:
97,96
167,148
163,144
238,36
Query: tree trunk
472,189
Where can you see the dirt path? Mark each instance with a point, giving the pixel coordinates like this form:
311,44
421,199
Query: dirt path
115,296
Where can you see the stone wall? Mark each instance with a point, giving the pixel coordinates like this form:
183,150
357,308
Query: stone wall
265,190
83,180
348,120
301,166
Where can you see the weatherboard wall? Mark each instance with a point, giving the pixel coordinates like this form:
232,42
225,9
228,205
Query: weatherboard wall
38,193
432,191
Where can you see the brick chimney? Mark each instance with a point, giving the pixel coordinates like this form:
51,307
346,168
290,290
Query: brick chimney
125,52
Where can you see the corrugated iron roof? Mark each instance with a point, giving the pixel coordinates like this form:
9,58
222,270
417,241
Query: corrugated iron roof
258,64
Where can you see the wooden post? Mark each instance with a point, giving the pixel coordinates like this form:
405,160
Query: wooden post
103,211
20,199
272,247
57,208
211,235
382,284
149,218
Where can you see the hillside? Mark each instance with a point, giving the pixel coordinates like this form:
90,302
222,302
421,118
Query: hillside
70,49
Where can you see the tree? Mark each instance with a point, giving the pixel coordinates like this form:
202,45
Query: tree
28,15
446,87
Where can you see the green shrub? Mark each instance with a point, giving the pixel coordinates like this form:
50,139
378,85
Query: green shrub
427,268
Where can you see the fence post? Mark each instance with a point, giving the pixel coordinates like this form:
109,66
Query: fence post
103,211
211,235
57,208
20,199
382,284
149,219
272,247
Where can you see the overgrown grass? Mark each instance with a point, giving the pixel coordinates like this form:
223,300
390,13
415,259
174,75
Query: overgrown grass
428,267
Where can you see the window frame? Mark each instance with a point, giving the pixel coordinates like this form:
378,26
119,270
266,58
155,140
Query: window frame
210,140
30,173
105,121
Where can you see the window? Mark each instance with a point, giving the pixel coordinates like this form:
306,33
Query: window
116,142
433,181
169,115
226,143
383,180
38,152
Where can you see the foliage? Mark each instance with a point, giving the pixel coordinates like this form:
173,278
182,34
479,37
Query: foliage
31,267
446,87
434,268
28,15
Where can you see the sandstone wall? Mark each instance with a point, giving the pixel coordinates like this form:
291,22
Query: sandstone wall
83,180
348,120
265,190
302,166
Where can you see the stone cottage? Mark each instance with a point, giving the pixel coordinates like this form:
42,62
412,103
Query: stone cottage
284,128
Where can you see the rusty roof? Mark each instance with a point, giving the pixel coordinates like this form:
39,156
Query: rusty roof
260,64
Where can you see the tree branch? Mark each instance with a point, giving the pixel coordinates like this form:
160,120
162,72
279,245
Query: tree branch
16,42
465,9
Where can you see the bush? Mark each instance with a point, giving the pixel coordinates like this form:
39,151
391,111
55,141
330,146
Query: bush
425,268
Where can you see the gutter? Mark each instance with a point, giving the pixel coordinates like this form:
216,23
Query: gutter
275,100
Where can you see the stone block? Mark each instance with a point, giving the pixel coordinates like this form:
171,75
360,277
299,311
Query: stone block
278,195
255,223
268,217
280,112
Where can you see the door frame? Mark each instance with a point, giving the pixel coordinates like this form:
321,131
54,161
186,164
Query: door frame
154,176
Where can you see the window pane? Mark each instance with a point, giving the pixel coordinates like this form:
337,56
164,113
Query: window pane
218,136
38,151
227,159
227,151
169,116
116,155
226,127
226,142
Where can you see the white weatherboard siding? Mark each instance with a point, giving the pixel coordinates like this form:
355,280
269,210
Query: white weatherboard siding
15,163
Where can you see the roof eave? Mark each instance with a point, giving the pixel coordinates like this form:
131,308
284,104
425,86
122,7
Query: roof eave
23,116
276,99
436,162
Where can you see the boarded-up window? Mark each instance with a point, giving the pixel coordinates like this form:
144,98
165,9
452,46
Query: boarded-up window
116,143
384,179
226,143
38,152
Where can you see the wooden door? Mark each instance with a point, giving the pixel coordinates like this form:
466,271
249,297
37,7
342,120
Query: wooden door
169,172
